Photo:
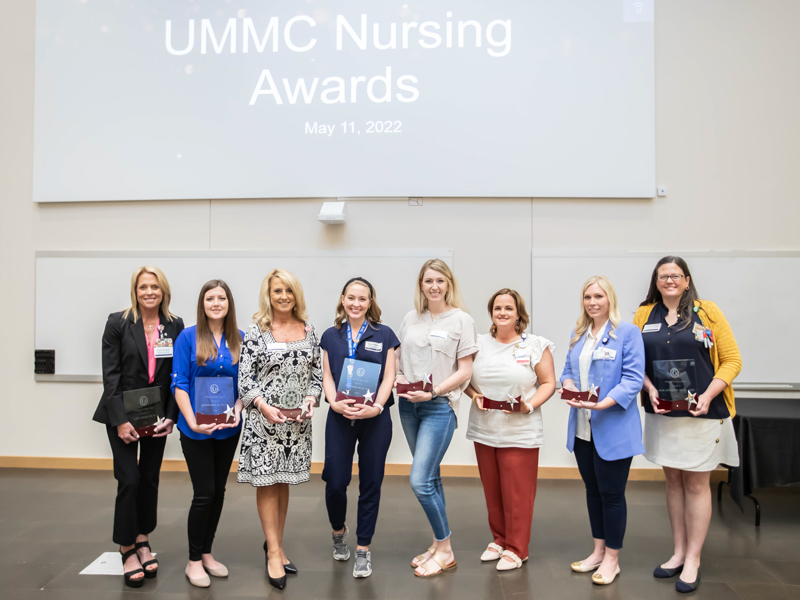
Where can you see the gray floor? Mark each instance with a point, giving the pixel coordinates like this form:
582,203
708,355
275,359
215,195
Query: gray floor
54,523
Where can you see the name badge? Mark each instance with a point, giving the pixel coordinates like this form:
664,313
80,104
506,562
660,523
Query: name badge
276,346
604,354
373,346
522,356
439,334
653,327
162,351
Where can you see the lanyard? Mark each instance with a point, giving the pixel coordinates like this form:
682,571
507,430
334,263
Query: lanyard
351,345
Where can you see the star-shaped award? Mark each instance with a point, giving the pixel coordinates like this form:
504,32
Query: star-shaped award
159,421
229,413
592,391
426,379
368,396
512,400
691,398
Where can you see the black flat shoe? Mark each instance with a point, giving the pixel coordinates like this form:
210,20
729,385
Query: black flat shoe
152,572
289,567
663,573
684,587
134,583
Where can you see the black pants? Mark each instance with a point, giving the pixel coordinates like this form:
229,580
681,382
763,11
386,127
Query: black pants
373,436
605,492
209,463
136,507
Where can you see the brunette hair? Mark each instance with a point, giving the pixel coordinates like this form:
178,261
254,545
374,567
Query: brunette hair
689,297
453,295
373,312
585,321
206,348
263,316
166,295
522,321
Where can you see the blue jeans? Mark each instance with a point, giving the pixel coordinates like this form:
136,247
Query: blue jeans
429,428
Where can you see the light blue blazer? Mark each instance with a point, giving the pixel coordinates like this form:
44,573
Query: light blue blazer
616,431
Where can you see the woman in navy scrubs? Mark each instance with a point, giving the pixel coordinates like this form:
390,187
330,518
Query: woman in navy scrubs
208,350
357,334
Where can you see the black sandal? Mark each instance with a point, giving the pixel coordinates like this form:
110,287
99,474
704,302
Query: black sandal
148,573
129,581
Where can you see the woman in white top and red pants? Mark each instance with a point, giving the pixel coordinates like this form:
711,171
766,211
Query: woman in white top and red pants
513,375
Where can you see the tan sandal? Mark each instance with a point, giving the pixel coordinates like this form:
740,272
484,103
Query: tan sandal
420,558
443,566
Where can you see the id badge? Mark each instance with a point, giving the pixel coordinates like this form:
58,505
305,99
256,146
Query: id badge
163,347
276,347
522,356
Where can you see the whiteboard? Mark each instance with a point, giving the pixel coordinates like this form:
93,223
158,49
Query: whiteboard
76,291
757,292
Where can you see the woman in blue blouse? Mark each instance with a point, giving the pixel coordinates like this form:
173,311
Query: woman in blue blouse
606,359
205,384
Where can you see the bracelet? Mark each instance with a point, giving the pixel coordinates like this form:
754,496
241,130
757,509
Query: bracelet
255,404
434,393
475,395
379,406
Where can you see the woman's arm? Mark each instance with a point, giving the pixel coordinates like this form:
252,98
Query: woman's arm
462,374
632,371
329,385
546,377
112,382
364,411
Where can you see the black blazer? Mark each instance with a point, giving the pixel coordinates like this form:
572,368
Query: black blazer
125,367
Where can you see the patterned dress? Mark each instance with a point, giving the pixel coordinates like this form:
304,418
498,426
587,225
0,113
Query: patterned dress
282,374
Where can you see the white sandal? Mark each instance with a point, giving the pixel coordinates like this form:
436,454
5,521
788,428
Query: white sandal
516,562
493,552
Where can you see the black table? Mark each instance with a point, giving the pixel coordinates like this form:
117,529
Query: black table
768,435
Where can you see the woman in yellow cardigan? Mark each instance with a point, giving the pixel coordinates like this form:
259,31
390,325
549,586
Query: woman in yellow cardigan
691,360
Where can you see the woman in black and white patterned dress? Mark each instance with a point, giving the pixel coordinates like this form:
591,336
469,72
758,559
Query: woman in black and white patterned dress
280,382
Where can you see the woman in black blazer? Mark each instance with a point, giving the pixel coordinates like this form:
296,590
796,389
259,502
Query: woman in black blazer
137,354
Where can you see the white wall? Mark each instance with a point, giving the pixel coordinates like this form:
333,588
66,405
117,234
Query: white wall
728,145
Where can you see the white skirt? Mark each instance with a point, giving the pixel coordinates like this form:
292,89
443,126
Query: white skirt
690,444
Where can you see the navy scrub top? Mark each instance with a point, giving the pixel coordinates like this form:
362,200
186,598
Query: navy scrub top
673,343
374,346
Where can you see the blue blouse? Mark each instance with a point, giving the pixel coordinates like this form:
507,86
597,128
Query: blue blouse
185,370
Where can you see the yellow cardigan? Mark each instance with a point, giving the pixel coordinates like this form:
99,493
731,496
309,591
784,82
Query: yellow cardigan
724,353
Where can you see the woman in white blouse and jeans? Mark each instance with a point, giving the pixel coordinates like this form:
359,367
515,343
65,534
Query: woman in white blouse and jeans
437,343
512,370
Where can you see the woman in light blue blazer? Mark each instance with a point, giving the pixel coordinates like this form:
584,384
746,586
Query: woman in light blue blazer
606,359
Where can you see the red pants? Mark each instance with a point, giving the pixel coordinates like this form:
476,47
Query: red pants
509,484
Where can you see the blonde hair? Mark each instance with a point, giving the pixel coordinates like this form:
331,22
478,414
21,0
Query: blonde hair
522,321
453,295
166,295
585,321
263,316
373,312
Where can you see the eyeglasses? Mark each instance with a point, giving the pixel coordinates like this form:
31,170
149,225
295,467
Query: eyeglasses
675,278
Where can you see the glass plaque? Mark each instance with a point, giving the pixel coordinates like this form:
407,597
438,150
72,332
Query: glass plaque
675,379
214,398
144,409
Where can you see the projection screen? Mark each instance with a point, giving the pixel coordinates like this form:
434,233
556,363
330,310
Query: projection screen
147,99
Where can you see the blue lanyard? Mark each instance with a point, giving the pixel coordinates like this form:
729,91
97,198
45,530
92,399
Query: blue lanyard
351,351
351,345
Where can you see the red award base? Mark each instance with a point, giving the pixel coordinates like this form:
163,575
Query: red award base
503,404
358,399
220,419
146,431
673,404
580,396
291,413
419,386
